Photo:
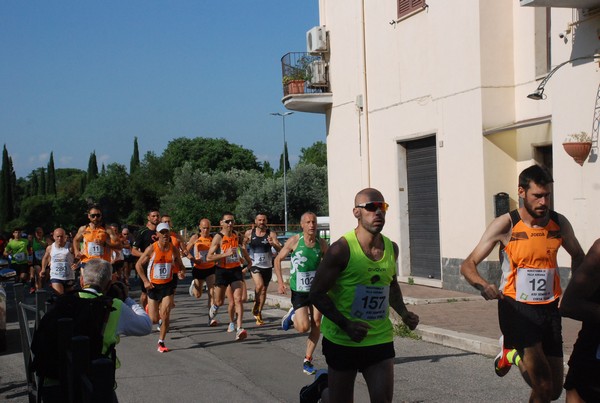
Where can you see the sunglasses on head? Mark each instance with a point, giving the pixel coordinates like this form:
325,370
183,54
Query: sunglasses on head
95,215
228,221
374,206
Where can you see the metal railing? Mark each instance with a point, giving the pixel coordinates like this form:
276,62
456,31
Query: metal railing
303,73
81,380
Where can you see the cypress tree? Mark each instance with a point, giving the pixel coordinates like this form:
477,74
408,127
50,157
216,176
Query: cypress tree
51,183
134,163
6,190
92,172
42,181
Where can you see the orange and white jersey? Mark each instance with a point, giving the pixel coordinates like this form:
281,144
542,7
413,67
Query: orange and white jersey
200,251
94,245
230,242
161,266
529,265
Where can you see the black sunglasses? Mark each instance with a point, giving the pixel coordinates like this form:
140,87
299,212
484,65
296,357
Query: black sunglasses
228,221
374,206
95,215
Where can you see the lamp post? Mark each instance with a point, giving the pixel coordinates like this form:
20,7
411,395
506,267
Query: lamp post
538,94
285,208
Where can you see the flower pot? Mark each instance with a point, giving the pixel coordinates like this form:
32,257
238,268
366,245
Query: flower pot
296,87
579,151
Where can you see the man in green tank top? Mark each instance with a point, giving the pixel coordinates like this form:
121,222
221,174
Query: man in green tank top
306,250
354,287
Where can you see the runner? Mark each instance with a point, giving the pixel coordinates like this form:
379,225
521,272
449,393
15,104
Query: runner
97,242
38,247
162,259
530,289
228,270
354,287
59,258
582,302
307,250
259,242
117,258
145,237
129,264
17,251
203,271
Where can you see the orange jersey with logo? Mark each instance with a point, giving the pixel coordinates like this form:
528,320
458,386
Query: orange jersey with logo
161,266
94,245
529,265
230,242
200,250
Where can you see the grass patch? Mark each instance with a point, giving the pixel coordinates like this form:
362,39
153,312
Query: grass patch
401,330
411,281
451,300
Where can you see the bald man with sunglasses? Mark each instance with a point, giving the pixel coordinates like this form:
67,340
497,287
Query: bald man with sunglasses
355,285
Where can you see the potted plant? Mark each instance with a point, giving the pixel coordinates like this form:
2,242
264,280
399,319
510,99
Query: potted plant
295,76
578,146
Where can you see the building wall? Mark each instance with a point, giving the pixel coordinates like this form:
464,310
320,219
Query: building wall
461,71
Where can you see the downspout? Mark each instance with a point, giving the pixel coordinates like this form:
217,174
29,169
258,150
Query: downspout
366,96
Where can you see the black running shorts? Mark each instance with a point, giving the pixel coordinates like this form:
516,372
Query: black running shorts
524,325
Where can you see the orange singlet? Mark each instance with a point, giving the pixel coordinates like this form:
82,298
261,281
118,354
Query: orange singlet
201,248
230,242
160,267
529,266
94,245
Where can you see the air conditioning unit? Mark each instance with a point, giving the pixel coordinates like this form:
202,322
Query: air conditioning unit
316,40
318,73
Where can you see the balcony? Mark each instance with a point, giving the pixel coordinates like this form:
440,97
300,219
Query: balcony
586,4
305,80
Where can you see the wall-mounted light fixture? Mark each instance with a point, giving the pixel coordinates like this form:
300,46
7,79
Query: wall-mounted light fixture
538,94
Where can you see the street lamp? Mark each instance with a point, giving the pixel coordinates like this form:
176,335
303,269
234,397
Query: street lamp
538,94
285,209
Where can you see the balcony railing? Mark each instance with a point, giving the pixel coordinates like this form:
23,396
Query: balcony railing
303,73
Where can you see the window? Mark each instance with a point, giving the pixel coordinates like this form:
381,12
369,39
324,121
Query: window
406,7
542,40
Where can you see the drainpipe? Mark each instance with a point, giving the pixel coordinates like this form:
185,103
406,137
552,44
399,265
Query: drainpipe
366,96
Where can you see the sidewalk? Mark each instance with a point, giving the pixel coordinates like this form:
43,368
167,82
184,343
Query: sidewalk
450,318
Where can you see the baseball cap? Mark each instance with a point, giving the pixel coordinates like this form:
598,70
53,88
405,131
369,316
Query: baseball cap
162,226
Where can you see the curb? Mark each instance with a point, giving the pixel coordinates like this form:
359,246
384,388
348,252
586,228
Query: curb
449,338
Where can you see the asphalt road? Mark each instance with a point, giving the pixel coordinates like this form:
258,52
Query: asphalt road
206,365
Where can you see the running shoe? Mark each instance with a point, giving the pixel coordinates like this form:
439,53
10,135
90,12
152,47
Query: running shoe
231,327
308,368
212,312
162,348
191,290
259,319
212,322
312,393
32,290
241,334
501,363
286,321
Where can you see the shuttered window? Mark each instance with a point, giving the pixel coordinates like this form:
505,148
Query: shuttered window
408,6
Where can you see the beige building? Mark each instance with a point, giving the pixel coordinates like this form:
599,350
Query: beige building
428,102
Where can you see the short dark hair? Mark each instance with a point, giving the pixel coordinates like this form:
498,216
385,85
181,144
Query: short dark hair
94,207
539,175
227,213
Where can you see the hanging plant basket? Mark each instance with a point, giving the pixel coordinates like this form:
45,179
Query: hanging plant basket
579,151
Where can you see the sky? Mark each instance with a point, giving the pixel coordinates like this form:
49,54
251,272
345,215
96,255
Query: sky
83,76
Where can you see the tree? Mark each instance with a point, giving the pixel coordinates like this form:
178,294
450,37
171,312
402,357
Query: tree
33,184
92,172
208,155
6,190
51,182
287,160
307,191
42,188
267,169
110,190
315,154
134,163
